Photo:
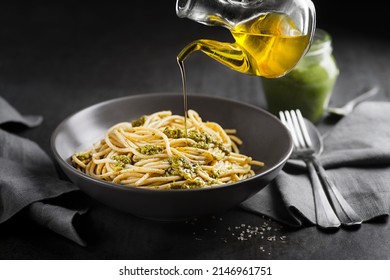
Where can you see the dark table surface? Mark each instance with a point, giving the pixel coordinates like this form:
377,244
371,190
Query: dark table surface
58,59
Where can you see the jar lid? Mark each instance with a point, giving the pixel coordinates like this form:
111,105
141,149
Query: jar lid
322,43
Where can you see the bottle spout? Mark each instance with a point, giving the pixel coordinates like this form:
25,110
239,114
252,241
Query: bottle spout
229,54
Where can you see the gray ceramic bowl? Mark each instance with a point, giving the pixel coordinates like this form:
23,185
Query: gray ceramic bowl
265,139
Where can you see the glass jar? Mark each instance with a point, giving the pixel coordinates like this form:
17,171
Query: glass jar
309,85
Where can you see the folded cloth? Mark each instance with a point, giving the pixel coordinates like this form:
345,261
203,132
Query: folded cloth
9,114
357,159
28,180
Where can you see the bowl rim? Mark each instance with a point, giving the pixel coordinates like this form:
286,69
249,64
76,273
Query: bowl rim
107,184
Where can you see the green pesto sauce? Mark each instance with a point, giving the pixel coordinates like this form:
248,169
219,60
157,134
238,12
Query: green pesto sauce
183,168
307,87
195,135
199,145
150,150
215,174
84,157
174,133
138,122
202,139
121,161
222,148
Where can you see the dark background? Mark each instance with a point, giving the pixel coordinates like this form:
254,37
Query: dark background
61,56
94,51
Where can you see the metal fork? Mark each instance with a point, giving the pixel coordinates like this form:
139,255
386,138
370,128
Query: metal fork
325,216
343,210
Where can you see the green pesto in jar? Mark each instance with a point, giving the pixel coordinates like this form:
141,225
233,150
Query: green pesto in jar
309,85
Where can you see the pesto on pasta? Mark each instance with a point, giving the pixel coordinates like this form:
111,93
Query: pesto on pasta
162,151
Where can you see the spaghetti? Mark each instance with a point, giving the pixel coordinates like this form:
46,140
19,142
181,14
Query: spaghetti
156,151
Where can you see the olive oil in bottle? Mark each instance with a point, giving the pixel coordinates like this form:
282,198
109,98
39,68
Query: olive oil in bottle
269,46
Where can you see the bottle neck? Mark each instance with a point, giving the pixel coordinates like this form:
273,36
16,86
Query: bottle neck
320,50
321,44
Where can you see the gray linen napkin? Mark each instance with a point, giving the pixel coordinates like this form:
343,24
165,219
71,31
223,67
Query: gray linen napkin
357,158
28,180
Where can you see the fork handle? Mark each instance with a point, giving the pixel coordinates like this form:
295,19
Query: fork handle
325,216
344,211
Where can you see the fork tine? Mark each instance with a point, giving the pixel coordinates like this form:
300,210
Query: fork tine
297,129
286,120
282,117
302,124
